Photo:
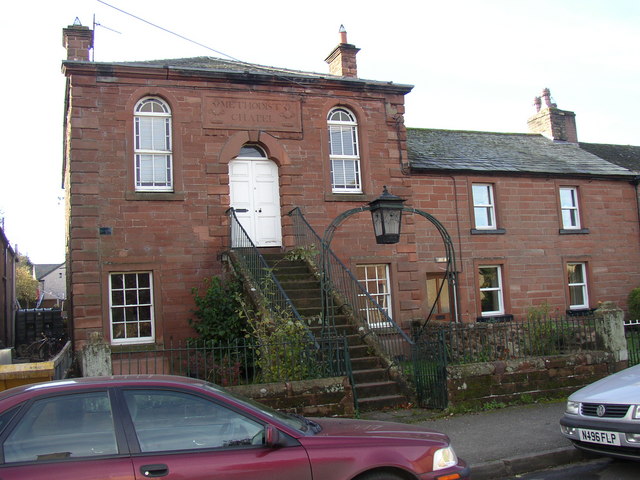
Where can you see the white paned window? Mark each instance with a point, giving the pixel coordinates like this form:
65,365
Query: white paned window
484,211
569,208
131,307
490,285
577,281
153,154
344,151
375,280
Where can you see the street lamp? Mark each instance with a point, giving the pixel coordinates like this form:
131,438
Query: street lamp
386,214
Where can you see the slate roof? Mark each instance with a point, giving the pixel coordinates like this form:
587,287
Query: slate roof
627,156
207,64
506,153
44,269
213,63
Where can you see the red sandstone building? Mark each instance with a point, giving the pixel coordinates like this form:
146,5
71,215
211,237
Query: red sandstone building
156,152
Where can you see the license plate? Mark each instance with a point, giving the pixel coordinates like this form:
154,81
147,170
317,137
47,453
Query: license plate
598,436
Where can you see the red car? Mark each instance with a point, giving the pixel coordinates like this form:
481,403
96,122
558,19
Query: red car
126,428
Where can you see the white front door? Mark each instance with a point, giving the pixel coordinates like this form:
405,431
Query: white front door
255,196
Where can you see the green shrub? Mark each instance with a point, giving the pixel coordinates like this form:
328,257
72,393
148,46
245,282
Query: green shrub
218,311
539,312
634,304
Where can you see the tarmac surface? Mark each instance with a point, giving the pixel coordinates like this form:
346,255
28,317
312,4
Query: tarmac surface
499,443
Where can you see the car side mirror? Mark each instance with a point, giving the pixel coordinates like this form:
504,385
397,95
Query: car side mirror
271,436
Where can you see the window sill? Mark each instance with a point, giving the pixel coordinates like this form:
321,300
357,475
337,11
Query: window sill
149,345
488,231
157,196
580,312
348,197
573,231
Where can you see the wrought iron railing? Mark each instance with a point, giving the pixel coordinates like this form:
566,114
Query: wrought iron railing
632,334
488,342
348,295
260,274
239,362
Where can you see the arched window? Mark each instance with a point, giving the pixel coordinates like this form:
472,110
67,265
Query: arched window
344,152
251,151
153,155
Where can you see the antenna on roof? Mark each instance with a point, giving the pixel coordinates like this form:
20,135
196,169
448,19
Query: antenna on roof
96,24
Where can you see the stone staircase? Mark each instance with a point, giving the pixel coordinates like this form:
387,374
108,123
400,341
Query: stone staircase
374,388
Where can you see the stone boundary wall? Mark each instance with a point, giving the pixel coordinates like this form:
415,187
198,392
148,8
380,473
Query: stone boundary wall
323,397
538,377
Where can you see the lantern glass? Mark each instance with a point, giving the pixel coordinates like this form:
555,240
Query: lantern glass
386,214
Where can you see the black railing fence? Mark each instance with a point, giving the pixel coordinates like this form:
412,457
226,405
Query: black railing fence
240,362
486,342
632,333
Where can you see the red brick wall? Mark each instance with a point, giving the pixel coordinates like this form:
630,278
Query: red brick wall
532,251
180,236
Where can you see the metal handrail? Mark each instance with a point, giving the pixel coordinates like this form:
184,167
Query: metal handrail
372,319
260,273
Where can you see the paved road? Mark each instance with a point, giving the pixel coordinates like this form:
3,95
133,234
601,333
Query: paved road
601,469
503,433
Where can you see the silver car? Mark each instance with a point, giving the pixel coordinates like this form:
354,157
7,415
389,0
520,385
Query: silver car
604,417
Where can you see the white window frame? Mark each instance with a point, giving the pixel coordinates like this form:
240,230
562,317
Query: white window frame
569,208
155,159
491,289
121,306
484,209
344,152
580,284
379,288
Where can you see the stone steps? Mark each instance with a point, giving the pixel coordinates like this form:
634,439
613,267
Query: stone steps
374,389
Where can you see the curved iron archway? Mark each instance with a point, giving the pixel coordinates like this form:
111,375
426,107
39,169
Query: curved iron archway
450,271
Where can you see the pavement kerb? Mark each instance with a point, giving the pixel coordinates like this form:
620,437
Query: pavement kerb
510,467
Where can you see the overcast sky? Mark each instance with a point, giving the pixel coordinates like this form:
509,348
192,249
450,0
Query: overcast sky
474,64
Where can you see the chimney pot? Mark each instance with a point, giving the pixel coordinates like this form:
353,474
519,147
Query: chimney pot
553,123
343,34
342,60
546,94
537,102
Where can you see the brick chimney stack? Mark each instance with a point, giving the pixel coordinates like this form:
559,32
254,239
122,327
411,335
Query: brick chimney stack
78,41
550,121
342,60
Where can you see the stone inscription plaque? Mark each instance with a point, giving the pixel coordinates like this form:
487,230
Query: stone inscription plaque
253,113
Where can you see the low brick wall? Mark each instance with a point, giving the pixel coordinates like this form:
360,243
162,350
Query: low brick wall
538,377
321,398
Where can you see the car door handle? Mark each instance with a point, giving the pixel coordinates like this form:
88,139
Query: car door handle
156,470
242,210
